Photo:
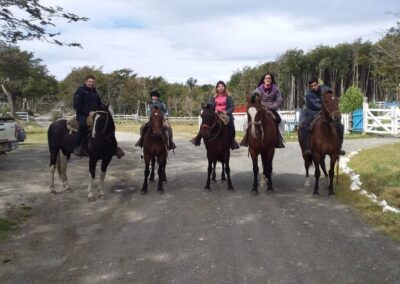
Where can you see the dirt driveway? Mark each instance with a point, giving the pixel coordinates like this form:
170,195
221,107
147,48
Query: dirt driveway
188,234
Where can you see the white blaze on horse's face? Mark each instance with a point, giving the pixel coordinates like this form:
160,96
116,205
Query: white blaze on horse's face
94,125
252,111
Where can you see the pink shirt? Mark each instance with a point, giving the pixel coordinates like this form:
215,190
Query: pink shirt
220,103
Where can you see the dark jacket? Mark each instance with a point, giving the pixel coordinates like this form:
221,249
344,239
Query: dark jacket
313,103
86,100
160,104
271,99
230,104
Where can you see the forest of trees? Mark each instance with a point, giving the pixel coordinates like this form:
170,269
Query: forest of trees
372,67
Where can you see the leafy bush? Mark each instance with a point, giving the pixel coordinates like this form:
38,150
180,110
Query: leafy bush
351,100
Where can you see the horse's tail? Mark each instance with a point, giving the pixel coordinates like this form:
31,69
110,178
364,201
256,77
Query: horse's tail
58,164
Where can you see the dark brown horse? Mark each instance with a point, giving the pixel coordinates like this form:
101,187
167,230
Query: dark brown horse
324,140
101,145
262,137
217,140
155,147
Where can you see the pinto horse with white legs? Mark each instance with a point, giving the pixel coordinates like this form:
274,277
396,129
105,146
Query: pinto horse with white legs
101,145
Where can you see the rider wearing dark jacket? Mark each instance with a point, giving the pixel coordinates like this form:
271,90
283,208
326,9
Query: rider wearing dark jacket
86,102
312,107
156,102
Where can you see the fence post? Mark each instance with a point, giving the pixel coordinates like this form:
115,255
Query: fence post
394,120
365,114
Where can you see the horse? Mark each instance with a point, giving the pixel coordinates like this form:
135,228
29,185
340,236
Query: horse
101,145
324,140
155,146
217,140
262,137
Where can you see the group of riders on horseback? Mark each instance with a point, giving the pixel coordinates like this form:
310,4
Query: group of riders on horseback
87,101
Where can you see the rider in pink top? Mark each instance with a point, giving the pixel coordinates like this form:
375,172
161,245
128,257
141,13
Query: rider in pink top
222,101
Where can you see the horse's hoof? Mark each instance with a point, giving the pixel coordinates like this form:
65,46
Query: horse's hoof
230,187
160,191
101,195
316,192
53,191
207,187
143,192
331,193
254,191
270,189
151,179
91,198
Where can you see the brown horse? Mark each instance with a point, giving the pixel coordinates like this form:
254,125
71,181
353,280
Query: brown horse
217,140
324,140
262,137
155,146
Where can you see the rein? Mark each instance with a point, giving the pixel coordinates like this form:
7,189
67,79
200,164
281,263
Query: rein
258,123
105,126
212,127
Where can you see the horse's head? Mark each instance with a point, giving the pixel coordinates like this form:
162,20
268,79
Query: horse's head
103,123
256,115
208,119
156,121
331,106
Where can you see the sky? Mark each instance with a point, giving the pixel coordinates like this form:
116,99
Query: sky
208,40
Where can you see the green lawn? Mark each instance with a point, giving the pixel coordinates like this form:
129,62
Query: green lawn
380,174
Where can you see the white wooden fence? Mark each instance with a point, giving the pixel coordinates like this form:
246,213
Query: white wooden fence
381,120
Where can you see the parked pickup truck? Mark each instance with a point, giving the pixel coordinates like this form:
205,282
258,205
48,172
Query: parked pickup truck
8,134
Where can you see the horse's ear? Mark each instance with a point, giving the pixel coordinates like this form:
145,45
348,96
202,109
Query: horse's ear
208,106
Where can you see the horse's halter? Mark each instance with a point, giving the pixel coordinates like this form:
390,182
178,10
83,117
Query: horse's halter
211,127
257,123
97,115
333,115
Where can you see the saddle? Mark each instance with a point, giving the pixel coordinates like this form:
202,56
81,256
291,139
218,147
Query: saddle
224,118
73,124
314,121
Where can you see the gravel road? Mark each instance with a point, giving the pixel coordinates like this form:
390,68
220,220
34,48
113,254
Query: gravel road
188,234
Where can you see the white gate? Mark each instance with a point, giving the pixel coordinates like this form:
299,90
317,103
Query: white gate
381,120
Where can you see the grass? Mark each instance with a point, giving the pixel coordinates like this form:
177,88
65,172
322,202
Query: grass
15,215
379,173
35,134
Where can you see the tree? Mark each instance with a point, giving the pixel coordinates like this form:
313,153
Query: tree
351,100
32,20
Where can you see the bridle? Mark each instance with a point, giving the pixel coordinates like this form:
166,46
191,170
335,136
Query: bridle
211,127
97,114
259,124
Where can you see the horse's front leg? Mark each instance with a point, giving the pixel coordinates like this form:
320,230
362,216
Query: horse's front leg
317,173
213,174
153,162
146,176
228,174
267,166
307,164
332,173
254,158
92,172
209,170
223,172
161,169
104,164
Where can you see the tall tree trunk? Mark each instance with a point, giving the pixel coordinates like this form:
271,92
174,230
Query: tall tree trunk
10,100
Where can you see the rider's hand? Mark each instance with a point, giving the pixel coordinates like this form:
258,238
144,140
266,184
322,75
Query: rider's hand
91,114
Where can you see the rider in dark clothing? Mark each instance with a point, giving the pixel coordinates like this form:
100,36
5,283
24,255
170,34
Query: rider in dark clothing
86,102
312,107
156,102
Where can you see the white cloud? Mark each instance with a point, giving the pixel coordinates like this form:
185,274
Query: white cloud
207,40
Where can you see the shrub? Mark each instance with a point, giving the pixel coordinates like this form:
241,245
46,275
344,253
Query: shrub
351,100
